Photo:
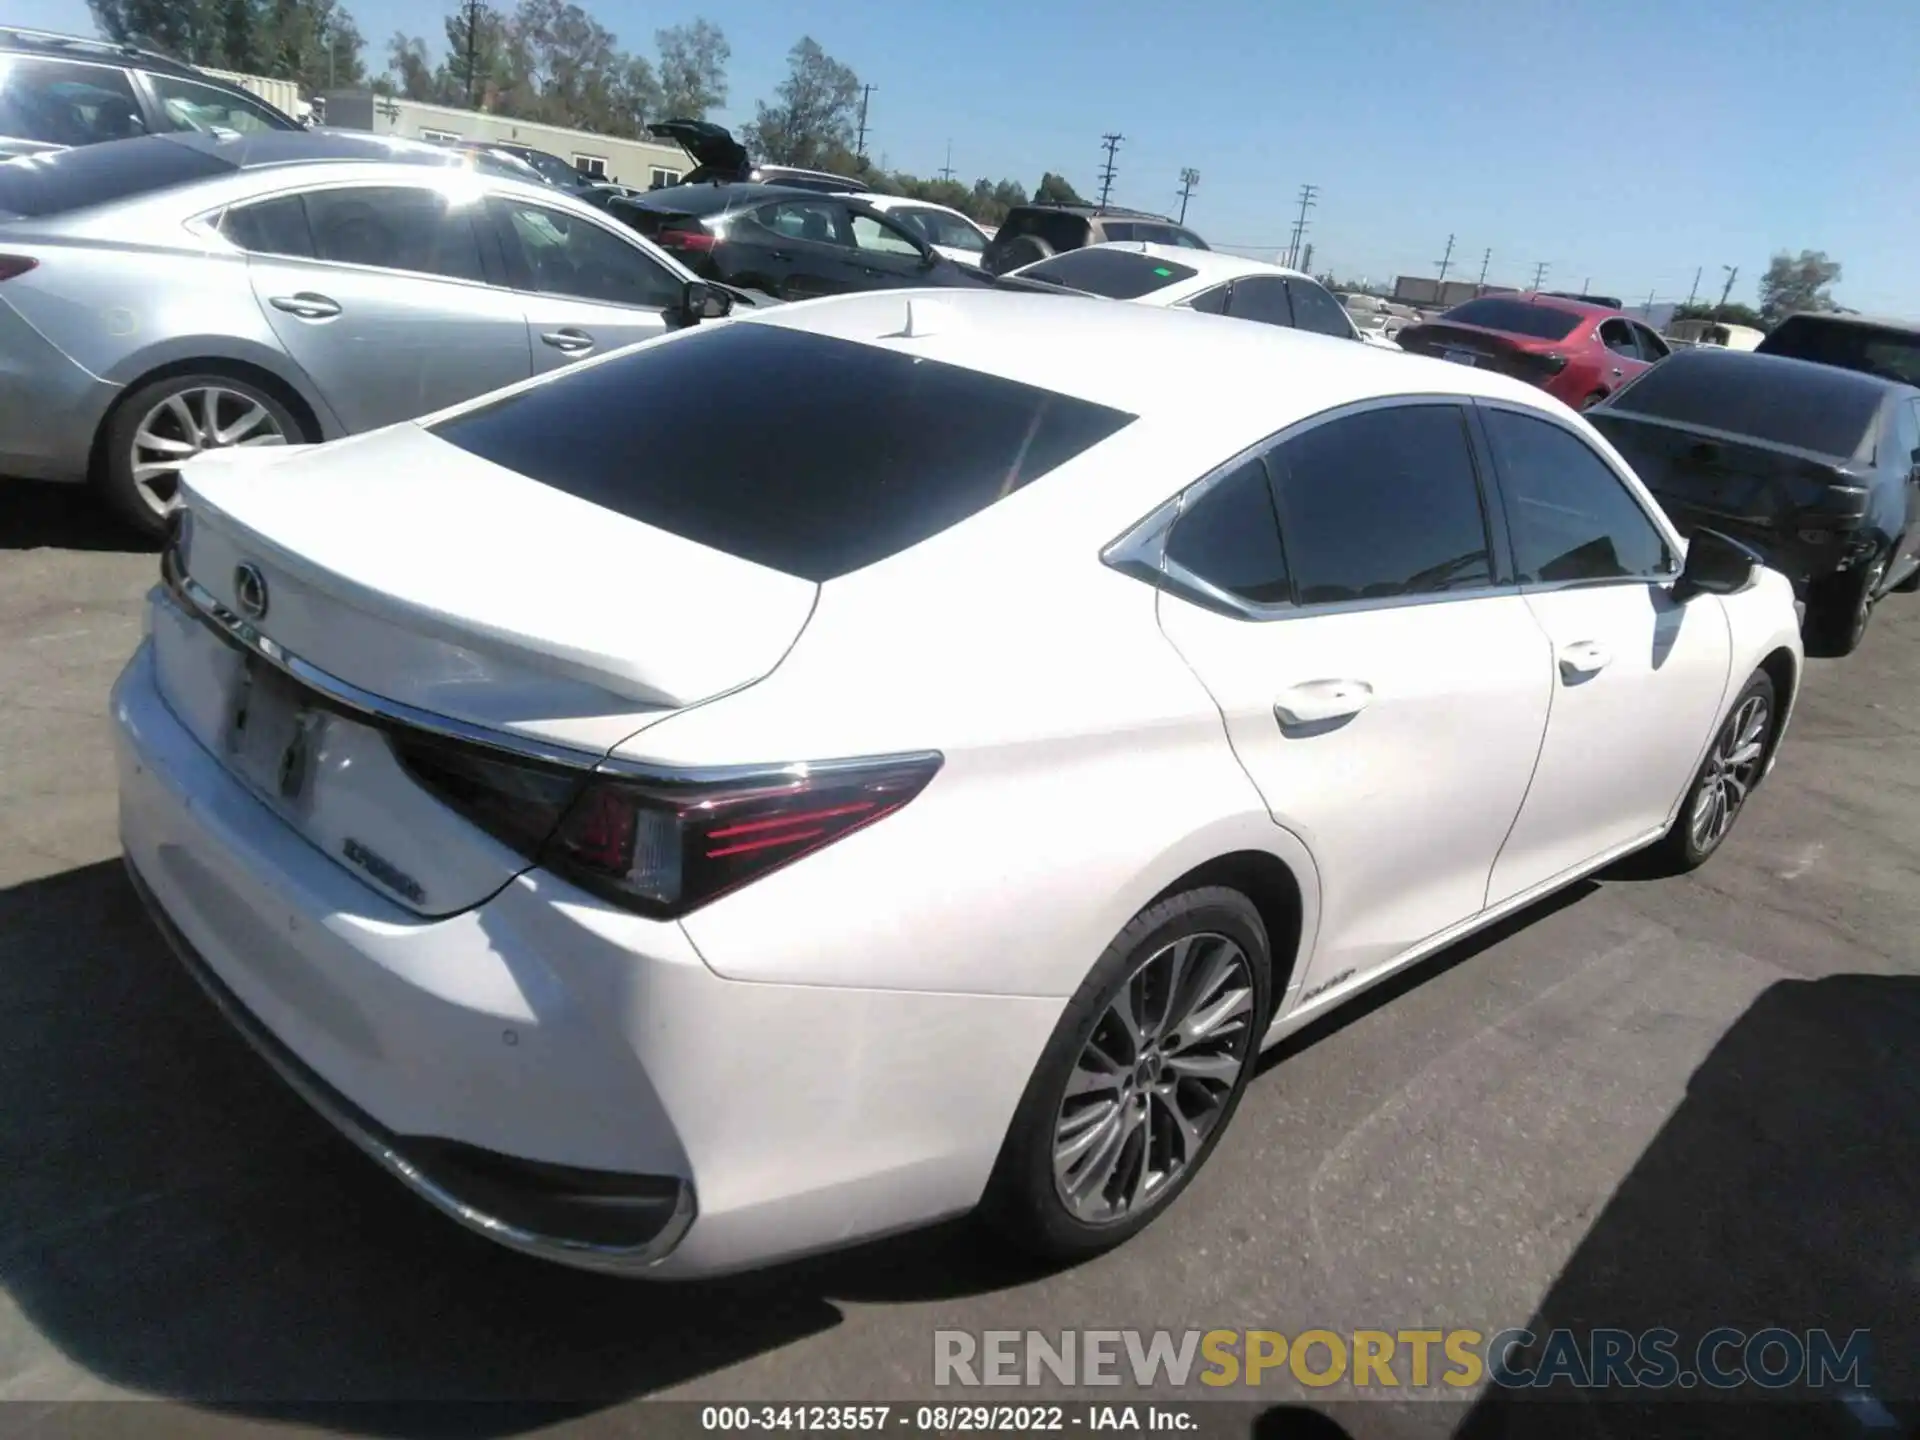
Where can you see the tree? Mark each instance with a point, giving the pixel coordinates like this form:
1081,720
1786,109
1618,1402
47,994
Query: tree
313,42
476,38
811,124
1732,314
182,30
1054,189
413,78
1800,283
693,70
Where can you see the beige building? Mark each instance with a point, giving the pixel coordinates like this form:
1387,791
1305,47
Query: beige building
640,163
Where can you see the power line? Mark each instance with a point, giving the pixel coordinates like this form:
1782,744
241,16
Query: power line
1189,178
1446,260
860,143
1307,192
1110,143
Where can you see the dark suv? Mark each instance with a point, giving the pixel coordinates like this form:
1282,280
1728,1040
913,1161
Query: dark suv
58,91
1887,348
1033,232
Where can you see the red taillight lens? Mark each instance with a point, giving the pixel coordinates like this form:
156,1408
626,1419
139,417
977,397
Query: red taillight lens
667,848
12,265
697,241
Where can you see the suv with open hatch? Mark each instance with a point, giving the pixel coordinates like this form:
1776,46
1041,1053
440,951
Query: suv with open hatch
1031,233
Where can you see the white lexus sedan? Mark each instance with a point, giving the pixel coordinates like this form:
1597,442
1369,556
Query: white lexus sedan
1211,281
669,845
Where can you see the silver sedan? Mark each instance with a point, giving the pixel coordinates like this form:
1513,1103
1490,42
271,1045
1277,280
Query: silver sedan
164,295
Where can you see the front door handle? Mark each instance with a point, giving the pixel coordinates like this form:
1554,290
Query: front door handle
1583,658
307,305
780,254
569,340
1616,372
1319,700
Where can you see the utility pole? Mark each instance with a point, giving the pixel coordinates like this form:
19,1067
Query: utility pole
1307,192
1727,289
1445,261
473,52
1306,260
946,170
1485,261
1189,178
1649,305
860,143
1695,288
1584,284
1539,274
1110,143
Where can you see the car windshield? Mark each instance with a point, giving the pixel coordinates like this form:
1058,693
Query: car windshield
1810,407
936,443
65,180
1872,349
1516,317
1117,274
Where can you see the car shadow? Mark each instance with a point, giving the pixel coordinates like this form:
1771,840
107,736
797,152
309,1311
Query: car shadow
35,516
1780,1193
179,1224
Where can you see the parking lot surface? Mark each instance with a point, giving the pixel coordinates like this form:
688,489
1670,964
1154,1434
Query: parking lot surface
1680,1103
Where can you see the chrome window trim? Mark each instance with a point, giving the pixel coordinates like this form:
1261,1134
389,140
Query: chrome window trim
1140,550
196,602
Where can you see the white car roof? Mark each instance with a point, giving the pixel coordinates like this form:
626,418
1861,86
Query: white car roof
1210,267
896,202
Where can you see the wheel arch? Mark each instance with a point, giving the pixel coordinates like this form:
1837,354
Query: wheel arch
272,381
1276,892
1782,667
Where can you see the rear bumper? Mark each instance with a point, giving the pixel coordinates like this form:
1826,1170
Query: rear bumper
1800,559
518,1064
50,407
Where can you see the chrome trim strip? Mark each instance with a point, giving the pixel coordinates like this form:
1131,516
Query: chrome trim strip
580,1254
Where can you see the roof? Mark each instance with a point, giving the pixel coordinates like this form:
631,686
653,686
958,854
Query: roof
1210,266
1087,207
1852,317
1836,377
706,197
1551,302
1175,364
259,148
110,52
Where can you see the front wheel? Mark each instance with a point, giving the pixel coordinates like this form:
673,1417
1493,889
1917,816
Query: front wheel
1140,1079
1735,763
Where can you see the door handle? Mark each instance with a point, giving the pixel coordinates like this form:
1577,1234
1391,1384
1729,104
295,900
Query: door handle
568,340
307,305
780,254
1584,657
1616,372
1319,700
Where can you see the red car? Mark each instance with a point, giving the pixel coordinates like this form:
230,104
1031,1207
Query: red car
1575,350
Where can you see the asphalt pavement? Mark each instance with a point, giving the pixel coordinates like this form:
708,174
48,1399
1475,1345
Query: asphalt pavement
1676,1103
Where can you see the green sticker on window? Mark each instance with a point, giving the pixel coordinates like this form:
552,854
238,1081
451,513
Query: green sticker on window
1161,270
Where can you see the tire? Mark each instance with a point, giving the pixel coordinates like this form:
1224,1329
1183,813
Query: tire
1908,586
1021,250
141,495
1699,830
1839,608
1163,962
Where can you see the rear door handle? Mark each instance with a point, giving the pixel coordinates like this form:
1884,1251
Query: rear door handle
1584,657
307,305
1616,372
780,254
1319,700
569,340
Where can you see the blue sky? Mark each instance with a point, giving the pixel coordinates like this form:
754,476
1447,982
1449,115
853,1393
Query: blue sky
1626,143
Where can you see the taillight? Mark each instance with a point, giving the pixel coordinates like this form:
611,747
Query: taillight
12,265
697,241
662,847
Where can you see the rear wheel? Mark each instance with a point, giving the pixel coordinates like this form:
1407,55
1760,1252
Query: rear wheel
1735,763
159,426
1140,1079
1838,609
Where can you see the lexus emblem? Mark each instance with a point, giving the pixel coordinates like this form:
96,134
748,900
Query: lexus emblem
250,591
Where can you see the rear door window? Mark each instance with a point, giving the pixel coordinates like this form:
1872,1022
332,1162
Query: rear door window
820,222
395,227
1230,538
1314,308
1811,407
189,105
854,454
59,102
1260,298
270,227
1617,336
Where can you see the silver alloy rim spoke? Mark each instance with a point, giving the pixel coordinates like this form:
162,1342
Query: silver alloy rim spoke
1153,1078
188,422
1730,773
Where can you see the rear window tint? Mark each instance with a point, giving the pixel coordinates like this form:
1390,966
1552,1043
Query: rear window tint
807,454
99,174
1812,407
1870,349
1516,317
1117,274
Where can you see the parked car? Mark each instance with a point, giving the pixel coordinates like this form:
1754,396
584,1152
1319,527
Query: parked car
548,167
1173,277
1711,332
1579,353
171,294
1033,232
791,244
948,231
720,159
1817,468
1888,348
58,91
731,845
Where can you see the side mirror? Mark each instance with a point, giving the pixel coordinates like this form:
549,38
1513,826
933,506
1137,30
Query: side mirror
704,302
1716,565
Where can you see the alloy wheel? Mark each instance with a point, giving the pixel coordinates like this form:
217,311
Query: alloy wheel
187,422
1732,770
1154,1078
1868,597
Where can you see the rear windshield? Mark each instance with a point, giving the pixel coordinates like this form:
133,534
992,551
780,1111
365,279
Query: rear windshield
1059,229
87,175
807,454
1810,407
1872,349
1516,317
1117,274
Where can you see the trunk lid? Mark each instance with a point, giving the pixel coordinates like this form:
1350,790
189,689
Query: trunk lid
1521,356
415,576
712,146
